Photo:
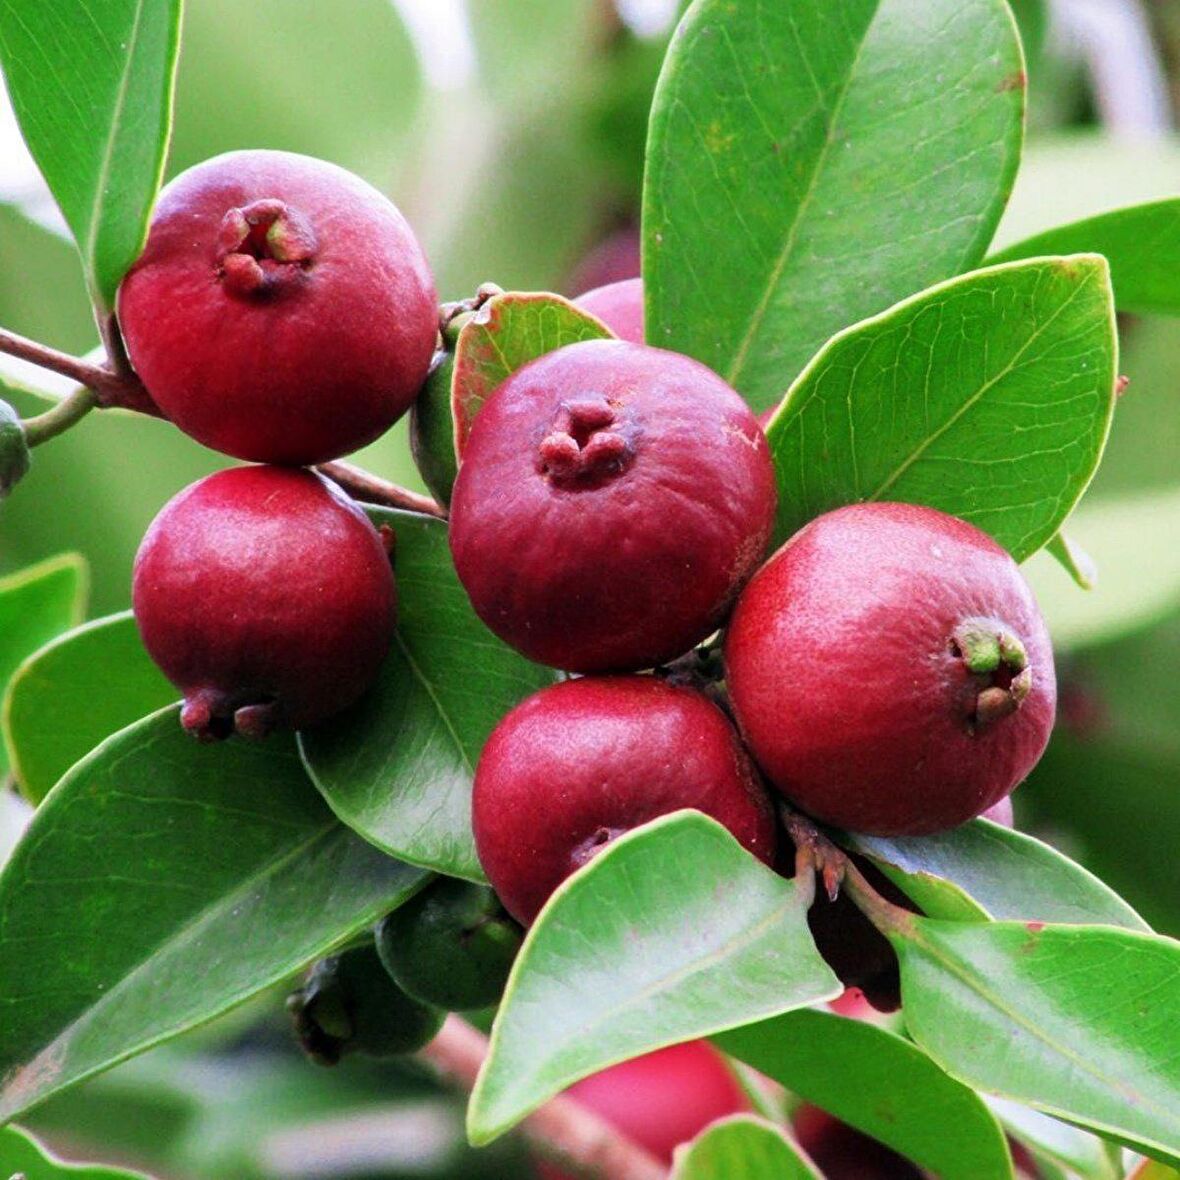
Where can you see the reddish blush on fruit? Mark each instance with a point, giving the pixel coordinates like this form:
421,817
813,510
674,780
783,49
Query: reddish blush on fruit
282,310
890,670
266,597
584,761
661,1099
611,501
619,306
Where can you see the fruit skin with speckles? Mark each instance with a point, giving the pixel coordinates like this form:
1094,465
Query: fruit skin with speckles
267,597
611,501
584,761
619,306
890,670
282,310
661,1099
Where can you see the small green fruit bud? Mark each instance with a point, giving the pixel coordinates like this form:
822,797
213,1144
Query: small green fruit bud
452,945
14,449
432,423
349,1004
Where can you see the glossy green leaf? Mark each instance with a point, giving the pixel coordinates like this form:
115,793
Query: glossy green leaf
1073,559
506,333
1138,575
988,397
91,84
161,883
397,767
25,1159
984,870
880,1084
741,1148
1076,1021
37,604
674,931
1141,243
811,163
1069,1147
1077,174
73,693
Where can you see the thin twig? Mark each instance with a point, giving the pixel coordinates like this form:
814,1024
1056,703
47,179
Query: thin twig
562,1130
372,489
106,384
42,427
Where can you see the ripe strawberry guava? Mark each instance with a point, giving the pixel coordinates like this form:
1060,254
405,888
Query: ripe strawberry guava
584,761
619,306
661,1099
282,309
266,597
611,501
890,670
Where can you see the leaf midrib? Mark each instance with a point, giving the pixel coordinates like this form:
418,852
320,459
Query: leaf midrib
199,919
736,366
90,250
973,983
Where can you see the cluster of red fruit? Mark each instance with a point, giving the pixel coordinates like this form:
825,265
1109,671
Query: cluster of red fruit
887,668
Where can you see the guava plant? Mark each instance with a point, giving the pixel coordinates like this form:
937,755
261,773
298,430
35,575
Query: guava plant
670,718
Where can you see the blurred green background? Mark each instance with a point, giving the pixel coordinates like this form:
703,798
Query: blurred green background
515,148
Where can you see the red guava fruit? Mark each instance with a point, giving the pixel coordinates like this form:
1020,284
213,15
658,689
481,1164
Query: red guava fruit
282,310
842,1152
619,306
581,762
661,1099
611,501
266,596
890,670
613,258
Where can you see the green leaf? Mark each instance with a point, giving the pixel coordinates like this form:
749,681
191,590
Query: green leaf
1138,582
161,883
91,84
741,1148
37,604
672,932
73,693
1072,558
1047,1137
1076,1021
1142,244
1077,174
398,766
988,397
984,870
811,163
506,333
25,1159
880,1084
